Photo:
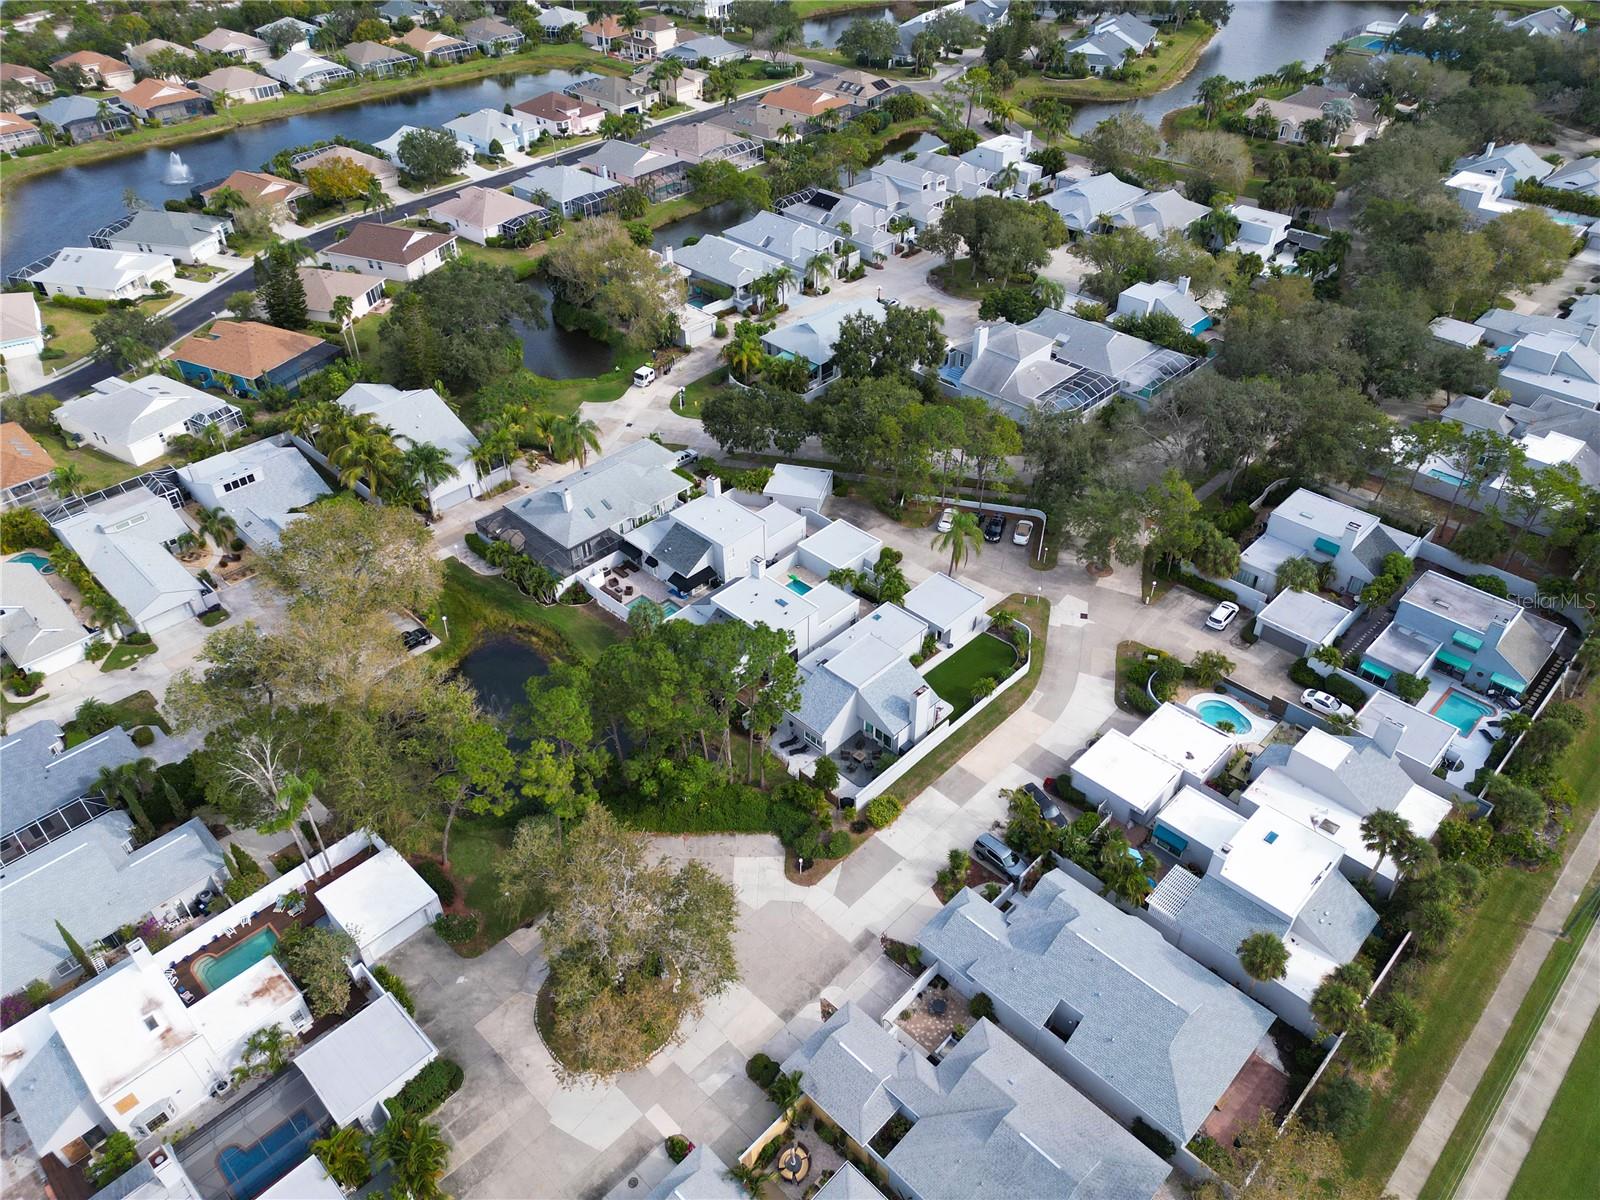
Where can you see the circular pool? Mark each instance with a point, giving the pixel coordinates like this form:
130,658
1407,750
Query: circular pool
1215,712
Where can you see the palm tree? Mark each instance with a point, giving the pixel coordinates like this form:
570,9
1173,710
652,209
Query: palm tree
217,525
129,782
752,1179
1369,1045
667,70
226,199
1264,957
963,538
1052,119
744,354
1335,1005
343,1154
1213,92
1001,110
573,436
1216,229
376,198
1382,830
817,266
307,415
1006,178
342,309
67,480
416,1153
367,454
427,465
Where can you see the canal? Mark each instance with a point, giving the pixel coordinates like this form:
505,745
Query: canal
1260,37
64,207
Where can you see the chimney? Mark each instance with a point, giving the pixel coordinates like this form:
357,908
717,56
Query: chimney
1496,630
1387,735
138,952
1489,149
566,500
758,566
980,338
921,712
713,486
1183,284
666,257
1027,142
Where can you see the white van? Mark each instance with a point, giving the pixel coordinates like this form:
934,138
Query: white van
644,377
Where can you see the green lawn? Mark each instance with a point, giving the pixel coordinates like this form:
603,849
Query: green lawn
983,657
478,604
695,394
476,844
1179,50
1458,1152
1457,985
99,470
1561,1162
72,328
129,712
521,263
123,656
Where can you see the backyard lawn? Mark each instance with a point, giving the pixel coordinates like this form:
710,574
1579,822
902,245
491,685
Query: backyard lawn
984,657
129,712
476,605
99,470
1179,50
72,336
1555,1166
476,844
1458,984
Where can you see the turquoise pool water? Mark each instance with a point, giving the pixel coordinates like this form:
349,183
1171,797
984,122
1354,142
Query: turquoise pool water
667,609
1214,712
1445,477
798,586
215,970
38,562
250,1170
1462,711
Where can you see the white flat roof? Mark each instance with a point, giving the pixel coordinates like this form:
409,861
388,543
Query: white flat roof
1304,614
941,600
717,519
1197,817
1309,810
1279,861
840,542
1424,737
790,480
1183,739
377,895
1133,772
309,1181
352,1066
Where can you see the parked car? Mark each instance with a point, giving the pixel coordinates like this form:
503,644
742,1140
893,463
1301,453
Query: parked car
946,519
413,638
996,855
1325,703
1023,534
889,302
1048,808
1222,615
994,527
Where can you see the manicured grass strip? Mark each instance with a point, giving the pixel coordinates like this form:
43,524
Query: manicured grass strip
478,604
1459,1151
123,656
984,657
1032,611
1561,1161
1457,985
130,712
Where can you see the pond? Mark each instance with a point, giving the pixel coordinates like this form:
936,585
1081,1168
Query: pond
698,225
1260,37
64,207
498,669
826,30
558,353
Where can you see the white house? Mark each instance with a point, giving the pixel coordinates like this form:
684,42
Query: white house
1111,40
1156,214
1130,776
306,72
483,129
480,213
808,618
234,44
1352,542
796,243
811,339
38,631
713,539
1261,231
1167,296
103,274
238,84
800,487
21,328
839,546
135,421
1083,202
955,612
380,904
1003,151
355,1067
126,543
324,287
566,189
263,486
392,251
560,115
187,237
419,416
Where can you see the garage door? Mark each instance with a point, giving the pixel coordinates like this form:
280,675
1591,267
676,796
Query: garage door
450,499
1279,638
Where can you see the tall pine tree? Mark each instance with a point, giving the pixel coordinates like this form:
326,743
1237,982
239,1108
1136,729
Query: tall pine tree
279,288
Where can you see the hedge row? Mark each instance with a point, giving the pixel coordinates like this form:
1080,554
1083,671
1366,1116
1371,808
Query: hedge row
428,1088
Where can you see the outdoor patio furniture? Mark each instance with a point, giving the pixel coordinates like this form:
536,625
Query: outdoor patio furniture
794,1163
938,1005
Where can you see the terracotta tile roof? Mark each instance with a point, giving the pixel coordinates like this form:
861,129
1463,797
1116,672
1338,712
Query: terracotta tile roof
153,93
807,101
17,73
389,243
257,187
11,123
21,458
608,27
103,63
247,349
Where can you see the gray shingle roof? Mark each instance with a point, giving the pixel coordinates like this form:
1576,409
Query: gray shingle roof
1155,1025
1336,919
700,1176
38,781
161,228
1225,917
683,550
47,1090
989,1121
618,488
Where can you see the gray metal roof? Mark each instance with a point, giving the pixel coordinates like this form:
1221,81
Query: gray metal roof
39,781
710,46
1152,1023
92,884
990,1120
716,258
847,1183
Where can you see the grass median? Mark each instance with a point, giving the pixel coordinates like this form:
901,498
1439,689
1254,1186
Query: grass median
1573,1121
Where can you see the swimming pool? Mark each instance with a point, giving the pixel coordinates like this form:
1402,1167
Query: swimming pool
1444,476
1215,712
250,1170
38,562
1461,711
667,609
214,970
798,586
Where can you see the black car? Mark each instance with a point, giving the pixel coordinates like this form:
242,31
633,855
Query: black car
413,638
1048,808
994,527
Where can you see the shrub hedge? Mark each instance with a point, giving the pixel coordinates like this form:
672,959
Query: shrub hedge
396,987
433,875
456,928
429,1088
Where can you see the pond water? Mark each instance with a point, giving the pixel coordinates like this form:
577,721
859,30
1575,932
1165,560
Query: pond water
827,29
1260,37
498,668
64,207
558,353
698,225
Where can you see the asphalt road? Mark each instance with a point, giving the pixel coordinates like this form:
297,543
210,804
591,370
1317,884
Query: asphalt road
209,304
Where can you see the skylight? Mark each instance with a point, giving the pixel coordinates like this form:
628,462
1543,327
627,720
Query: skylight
1272,836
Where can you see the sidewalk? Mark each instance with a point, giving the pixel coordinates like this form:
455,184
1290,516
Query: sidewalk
1440,1121
1523,1107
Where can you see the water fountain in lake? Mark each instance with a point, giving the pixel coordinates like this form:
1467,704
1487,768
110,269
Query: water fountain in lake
178,171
